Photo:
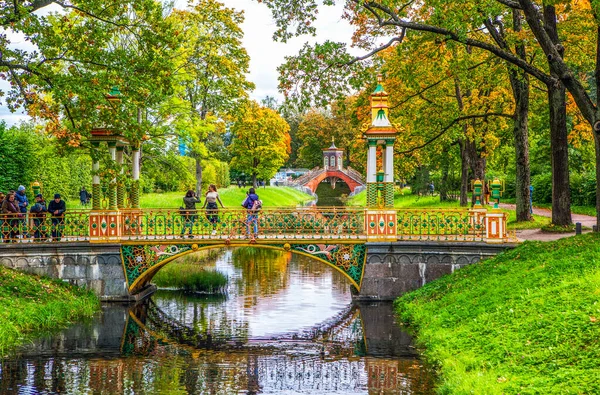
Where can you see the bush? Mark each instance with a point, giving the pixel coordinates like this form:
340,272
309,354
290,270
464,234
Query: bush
583,189
542,188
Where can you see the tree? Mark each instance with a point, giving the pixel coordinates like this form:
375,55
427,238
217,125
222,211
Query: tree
461,22
261,141
212,67
78,54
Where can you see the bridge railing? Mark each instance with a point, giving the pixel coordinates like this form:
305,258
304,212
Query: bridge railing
272,223
74,226
440,225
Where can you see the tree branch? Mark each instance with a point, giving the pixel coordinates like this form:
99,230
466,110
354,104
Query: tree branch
503,54
376,50
454,122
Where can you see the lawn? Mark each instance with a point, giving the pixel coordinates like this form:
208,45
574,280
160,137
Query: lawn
232,197
526,321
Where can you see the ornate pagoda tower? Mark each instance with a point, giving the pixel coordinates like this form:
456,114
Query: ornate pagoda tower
380,214
380,136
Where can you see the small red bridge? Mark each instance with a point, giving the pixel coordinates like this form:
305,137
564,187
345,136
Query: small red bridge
332,170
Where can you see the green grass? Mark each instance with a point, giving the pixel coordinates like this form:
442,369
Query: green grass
537,223
406,200
31,305
526,321
584,210
188,274
231,197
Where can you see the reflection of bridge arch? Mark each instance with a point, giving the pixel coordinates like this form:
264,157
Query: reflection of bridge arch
142,261
150,318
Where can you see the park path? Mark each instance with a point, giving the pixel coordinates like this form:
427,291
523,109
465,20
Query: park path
537,234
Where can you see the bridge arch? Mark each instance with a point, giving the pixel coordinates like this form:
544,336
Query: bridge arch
314,183
142,261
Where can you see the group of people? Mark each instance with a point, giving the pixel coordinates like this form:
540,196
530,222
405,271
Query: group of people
17,214
211,198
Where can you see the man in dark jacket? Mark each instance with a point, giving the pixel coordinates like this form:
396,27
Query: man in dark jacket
84,197
38,213
21,199
57,209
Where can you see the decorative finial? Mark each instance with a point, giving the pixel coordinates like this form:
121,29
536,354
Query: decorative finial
332,140
379,78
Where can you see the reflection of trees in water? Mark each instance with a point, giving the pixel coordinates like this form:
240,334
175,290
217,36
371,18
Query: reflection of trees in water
331,197
156,363
204,315
263,271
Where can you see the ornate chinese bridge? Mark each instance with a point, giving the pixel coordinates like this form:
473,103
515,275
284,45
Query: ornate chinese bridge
116,249
381,255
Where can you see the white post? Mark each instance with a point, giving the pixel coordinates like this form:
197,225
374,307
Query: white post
135,171
389,161
95,168
112,149
372,163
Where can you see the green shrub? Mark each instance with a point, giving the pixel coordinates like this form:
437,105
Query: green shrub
542,188
191,278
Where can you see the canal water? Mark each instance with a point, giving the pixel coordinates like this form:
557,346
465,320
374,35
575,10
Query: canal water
287,325
329,197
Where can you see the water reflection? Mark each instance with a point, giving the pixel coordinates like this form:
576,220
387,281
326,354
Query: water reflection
329,197
285,326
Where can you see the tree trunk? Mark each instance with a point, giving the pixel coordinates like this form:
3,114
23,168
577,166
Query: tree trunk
464,174
595,132
519,81
444,181
520,131
198,176
597,146
561,193
254,180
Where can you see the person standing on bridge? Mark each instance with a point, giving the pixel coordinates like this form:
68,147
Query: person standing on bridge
21,198
212,210
38,213
252,212
189,217
11,213
57,209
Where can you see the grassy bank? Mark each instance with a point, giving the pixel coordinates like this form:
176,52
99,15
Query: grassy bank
406,200
31,304
527,321
189,274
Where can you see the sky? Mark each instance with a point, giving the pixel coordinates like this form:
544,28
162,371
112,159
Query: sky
265,54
